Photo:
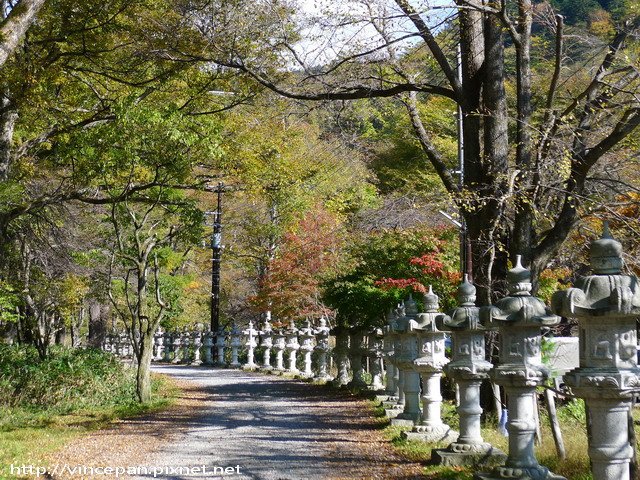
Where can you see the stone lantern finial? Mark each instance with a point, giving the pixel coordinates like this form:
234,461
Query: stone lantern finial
411,309
519,279
606,254
467,292
431,301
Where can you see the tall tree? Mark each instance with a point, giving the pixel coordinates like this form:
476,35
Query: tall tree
533,138
14,26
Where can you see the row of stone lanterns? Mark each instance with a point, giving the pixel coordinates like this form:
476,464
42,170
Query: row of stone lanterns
412,345
606,306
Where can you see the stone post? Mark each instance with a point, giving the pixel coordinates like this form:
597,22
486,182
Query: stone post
236,343
322,348
431,359
307,338
519,318
342,358
606,305
292,347
405,355
357,350
375,357
168,346
279,345
221,343
251,344
207,344
197,344
468,368
267,343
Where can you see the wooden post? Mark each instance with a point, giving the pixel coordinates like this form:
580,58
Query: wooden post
555,425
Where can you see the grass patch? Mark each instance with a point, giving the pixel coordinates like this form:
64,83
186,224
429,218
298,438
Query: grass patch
46,403
573,426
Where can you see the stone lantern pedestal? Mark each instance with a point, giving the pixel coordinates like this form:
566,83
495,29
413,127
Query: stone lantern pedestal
266,343
607,306
405,355
357,350
197,344
468,368
236,343
186,346
519,318
428,364
167,342
158,342
375,359
395,405
177,350
391,387
292,347
251,344
221,343
208,347
306,348
322,349
342,359
279,344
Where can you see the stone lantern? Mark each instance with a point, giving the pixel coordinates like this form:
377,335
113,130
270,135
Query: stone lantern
279,344
391,388
375,358
306,347
468,368
519,318
197,345
406,353
124,344
428,364
167,347
221,343
606,306
158,340
266,343
292,347
186,345
207,347
236,343
322,349
177,350
251,344
358,349
395,405
342,356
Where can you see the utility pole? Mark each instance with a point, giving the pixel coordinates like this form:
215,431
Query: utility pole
216,252
466,259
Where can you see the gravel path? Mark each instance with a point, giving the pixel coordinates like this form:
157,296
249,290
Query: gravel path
240,425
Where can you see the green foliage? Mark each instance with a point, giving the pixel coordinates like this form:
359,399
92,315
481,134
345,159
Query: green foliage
68,380
362,295
9,302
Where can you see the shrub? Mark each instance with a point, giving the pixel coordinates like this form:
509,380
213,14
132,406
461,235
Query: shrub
68,379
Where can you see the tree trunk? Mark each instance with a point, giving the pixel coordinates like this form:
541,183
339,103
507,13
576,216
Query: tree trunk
15,26
8,118
143,377
97,324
